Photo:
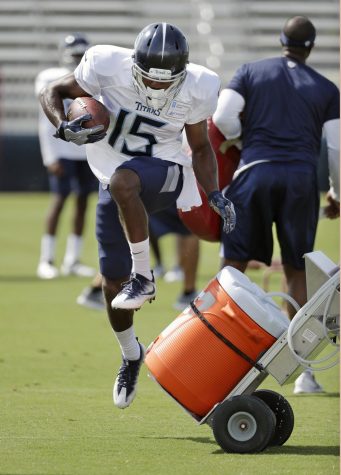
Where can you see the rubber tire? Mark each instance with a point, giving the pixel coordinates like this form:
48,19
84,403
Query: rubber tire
283,412
261,421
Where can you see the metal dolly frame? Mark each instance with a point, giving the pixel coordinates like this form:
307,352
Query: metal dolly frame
247,420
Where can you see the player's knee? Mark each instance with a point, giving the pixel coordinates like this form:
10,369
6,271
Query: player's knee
124,185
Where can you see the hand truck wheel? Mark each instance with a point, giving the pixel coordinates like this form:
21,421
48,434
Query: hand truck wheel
283,413
243,424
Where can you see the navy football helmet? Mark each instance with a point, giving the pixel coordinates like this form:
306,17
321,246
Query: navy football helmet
160,54
72,48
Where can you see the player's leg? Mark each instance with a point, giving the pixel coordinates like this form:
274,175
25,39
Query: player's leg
92,296
296,287
296,225
82,182
166,222
125,188
132,350
188,254
158,269
115,267
142,185
60,189
296,230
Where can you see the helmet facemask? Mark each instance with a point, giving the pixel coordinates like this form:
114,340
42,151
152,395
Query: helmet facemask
160,55
157,98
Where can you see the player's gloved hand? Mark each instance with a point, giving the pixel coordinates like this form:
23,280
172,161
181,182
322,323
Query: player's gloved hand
224,208
74,132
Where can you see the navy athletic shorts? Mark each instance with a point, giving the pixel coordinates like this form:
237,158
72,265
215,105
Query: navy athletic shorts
283,194
167,221
161,184
77,178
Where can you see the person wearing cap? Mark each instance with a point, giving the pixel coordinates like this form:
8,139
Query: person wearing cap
68,173
280,107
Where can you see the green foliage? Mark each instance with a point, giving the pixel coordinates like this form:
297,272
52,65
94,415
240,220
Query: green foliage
58,362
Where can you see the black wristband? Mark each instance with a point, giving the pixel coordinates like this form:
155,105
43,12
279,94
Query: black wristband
60,131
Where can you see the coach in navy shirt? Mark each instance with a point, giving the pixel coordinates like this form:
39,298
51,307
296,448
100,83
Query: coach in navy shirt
280,107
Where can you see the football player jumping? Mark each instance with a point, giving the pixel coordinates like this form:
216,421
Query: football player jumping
152,93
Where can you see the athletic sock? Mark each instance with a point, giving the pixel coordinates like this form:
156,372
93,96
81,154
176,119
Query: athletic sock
73,249
47,248
128,343
141,259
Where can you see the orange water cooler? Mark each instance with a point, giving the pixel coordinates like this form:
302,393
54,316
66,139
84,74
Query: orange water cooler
202,355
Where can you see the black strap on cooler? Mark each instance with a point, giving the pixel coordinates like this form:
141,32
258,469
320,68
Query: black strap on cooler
224,339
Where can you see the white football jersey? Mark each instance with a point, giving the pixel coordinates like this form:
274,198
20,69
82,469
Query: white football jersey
51,148
135,129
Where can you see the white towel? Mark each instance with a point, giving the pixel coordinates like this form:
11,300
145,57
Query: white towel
189,196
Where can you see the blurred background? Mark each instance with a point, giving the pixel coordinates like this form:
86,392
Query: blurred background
222,35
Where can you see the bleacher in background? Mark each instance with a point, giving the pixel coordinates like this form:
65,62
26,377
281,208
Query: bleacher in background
222,34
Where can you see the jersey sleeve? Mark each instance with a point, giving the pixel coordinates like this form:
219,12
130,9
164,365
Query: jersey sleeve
85,73
46,76
227,115
238,82
205,98
39,84
332,133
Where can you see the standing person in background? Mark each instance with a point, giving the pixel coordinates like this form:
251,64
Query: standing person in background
187,250
68,171
152,94
279,106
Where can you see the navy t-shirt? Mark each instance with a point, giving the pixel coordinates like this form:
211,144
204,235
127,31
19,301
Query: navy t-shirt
287,103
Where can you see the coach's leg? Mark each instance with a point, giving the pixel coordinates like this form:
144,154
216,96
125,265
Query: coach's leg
239,265
297,288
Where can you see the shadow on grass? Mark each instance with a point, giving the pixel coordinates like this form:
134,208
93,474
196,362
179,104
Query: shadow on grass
298,450
299,396
283,449
201,440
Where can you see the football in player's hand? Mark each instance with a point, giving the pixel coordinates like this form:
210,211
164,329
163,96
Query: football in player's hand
89,105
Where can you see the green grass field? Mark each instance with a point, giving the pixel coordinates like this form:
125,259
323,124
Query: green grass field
58,362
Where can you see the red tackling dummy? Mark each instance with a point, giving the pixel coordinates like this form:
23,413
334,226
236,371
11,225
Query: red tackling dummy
202,220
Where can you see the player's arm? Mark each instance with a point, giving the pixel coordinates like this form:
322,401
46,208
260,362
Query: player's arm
332,134
205,170
227,115
51,99
203,159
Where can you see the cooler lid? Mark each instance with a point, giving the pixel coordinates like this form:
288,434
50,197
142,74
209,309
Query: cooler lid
253,301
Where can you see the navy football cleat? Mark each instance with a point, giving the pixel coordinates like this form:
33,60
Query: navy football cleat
135,293
126,381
